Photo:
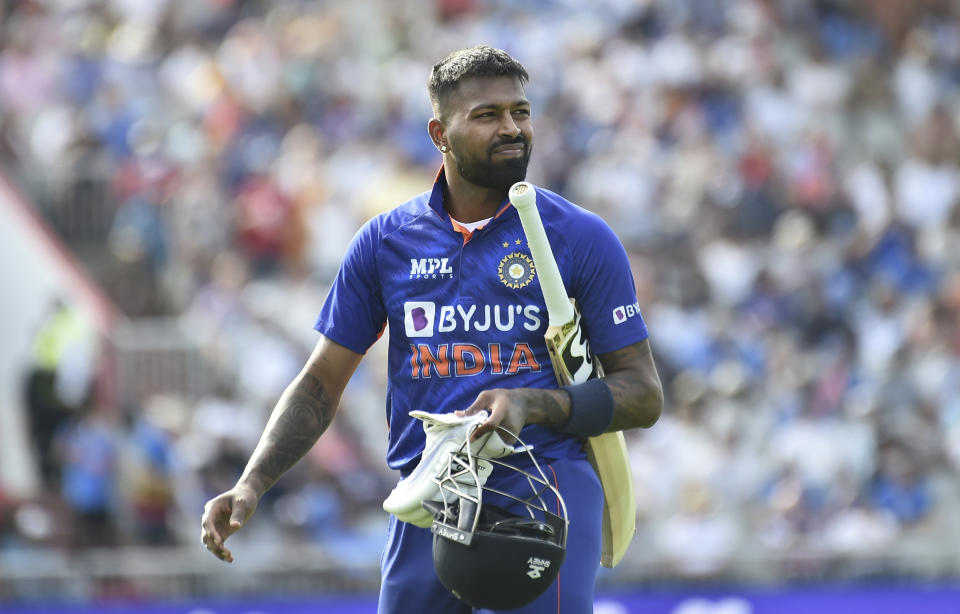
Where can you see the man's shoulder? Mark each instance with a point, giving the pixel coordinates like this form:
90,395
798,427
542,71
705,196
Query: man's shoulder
566,216
394,219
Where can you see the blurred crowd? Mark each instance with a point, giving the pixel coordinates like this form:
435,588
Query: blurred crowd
783,173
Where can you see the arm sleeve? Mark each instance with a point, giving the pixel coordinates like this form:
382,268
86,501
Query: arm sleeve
353,313
603,286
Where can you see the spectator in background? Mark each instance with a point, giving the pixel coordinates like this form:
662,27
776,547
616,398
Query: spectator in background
899,487
59,380
87,447
148,468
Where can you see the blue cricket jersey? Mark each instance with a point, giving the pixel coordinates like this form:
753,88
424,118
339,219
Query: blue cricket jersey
465,309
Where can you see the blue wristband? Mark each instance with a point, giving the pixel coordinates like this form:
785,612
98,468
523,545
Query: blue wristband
591,408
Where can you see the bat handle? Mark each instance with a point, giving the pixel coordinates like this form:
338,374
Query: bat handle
523,196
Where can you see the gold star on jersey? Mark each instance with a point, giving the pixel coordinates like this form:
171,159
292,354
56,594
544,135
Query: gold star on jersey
516,270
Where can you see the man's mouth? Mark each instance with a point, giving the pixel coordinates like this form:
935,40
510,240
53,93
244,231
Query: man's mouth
510,149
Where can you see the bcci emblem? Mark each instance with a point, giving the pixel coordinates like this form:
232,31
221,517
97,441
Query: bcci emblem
516,270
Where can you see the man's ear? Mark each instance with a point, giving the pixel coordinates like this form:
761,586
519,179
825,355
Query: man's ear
438,134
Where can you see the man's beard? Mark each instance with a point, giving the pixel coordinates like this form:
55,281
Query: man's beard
487,173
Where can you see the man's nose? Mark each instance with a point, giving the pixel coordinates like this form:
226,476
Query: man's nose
509,128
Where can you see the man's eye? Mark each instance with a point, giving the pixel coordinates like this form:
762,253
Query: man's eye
522,112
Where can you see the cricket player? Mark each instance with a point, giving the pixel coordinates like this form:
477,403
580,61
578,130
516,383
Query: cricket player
451,275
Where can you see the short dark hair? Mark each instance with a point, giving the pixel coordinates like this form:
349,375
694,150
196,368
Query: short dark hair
478,61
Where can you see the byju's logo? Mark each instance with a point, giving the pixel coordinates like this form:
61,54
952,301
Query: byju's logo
623,312
418,317
430,268
422,318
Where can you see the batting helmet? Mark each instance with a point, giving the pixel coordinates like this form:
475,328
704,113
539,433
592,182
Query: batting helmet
490,556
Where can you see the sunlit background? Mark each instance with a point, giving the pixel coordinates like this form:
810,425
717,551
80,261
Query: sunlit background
178,182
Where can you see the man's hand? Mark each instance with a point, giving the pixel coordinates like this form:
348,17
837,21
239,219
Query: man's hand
513,409
223,516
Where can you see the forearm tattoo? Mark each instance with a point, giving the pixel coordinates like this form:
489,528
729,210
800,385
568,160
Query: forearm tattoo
545,409
638,400
303,413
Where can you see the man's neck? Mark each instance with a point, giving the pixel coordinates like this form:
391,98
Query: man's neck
466,202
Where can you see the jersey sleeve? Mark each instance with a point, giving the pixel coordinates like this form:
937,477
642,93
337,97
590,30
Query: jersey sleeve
353,313
603,286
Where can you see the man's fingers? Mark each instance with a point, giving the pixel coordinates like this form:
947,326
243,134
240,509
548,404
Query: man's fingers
473,409
480,431
216,540
216,548
209,529
209,535
484,402
503,412
221,518
213,543
239,515
487,426
507,436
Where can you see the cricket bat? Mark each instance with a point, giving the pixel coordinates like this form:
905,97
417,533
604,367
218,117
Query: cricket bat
574,363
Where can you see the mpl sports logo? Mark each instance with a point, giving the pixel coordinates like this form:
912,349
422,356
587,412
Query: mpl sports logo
624,312
430,268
